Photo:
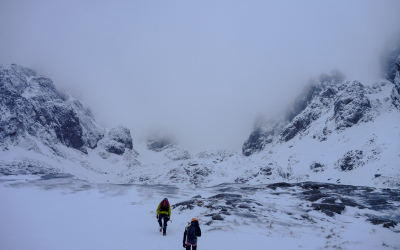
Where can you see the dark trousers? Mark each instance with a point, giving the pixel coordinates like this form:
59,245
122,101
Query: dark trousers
193,247
165,218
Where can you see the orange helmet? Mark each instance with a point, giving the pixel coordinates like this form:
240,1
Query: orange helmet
194,219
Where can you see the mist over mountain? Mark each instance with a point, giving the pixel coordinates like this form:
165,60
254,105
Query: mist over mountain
334,129
189,70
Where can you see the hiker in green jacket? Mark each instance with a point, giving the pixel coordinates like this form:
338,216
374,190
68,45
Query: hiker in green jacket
163,213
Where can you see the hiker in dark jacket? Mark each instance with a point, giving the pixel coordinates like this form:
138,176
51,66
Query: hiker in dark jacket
163,213
192,231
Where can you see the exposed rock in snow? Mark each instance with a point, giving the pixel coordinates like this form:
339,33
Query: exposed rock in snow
395,95
159,144
317,167
216,155
392,73
170,149
193,175
309,92
122,135
264,133
350,160
116,141
351,106
175,153
112,146
391,62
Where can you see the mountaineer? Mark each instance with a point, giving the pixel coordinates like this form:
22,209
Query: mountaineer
192,231
163,213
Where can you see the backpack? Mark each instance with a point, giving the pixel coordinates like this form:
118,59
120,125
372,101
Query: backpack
191,231
164,206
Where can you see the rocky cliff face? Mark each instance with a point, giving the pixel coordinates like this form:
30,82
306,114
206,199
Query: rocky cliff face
32,106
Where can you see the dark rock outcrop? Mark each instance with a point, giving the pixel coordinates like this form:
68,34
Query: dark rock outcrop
351,106
350,160
317,167
391,70
329,209
309,92
114,147
195,175
299,124
122,135
395,95
159,144
217,217
376,220
263,134
391,62
116,141
169,147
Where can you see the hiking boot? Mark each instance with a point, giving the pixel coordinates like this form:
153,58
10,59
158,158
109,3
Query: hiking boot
164,233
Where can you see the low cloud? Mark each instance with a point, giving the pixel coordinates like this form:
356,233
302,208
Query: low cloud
200,71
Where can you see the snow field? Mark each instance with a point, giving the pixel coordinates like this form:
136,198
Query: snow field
74,214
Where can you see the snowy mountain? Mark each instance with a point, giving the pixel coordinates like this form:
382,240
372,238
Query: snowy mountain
44,130
336,131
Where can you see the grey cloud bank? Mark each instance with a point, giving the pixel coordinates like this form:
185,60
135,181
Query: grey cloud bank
201,71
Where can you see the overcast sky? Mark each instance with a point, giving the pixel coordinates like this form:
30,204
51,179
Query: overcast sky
200,70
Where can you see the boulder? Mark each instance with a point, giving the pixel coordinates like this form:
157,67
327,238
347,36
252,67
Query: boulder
329,209
317,167
217,217
122,135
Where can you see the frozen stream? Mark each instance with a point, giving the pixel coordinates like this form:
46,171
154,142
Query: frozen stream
61,212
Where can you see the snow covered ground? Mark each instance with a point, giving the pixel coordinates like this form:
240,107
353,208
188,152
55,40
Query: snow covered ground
95,188
68,213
